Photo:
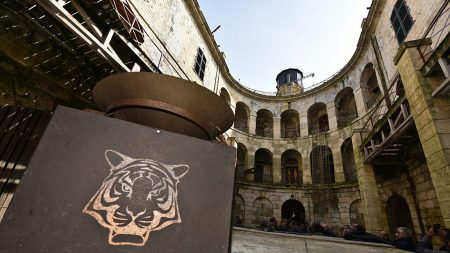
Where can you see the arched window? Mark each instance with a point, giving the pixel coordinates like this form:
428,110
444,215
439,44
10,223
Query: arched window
291,167
241,117
356,213
322,167
345,107
369,85
225,95
401,20
290,124
241,161
348,160
262,209
264,123
398,214
317,119
263,166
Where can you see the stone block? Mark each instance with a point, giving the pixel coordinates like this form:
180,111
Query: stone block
431,146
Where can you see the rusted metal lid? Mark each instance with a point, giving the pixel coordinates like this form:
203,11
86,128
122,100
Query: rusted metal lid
164,102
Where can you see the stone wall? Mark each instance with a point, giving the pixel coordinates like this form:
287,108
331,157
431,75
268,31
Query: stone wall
425,195
346,195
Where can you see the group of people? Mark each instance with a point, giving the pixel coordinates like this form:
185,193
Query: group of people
403,237
292,226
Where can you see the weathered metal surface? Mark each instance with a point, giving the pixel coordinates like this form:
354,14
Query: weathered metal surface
97,184
164,102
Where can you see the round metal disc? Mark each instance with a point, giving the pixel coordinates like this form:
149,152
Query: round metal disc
164,102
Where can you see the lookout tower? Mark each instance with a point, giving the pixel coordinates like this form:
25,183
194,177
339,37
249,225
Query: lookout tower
289,82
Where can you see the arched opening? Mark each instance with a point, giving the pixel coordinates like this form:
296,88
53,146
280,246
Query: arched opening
398,214
241,161
263,166
357,213
291,167
369,86
290,124
262,209
322,167
264,123
225,95
238,210
293,210
348,161
345,107
317,119
241,117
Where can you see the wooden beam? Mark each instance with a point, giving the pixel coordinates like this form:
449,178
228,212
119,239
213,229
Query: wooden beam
443,89
391,139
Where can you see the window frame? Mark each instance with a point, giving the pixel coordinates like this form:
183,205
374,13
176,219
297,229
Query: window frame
200,64
401,30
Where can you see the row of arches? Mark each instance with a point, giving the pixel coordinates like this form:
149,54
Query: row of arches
321,162
317,115
397,212
290,119
262,209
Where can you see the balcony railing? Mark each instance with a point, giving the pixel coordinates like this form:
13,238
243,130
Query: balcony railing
437,31
382,107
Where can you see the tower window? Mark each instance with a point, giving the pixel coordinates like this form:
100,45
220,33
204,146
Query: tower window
200,64
401,20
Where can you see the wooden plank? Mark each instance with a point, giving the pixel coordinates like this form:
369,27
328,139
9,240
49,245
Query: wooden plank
391,139
443,89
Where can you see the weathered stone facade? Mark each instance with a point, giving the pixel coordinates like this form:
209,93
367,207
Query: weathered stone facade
286,144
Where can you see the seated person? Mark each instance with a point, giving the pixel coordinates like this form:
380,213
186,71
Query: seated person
425,246
359,233
327,230
385,236
272,225
345,230
316,229
403,239
284,225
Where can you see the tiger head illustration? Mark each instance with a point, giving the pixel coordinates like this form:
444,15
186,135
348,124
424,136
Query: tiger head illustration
137,197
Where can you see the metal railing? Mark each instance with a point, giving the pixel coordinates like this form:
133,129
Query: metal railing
382,107
274,93
437,31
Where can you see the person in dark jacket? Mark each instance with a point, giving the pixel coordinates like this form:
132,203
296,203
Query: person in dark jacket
425,246
403,239
359,233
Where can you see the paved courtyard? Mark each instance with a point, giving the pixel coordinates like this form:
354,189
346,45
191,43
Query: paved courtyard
253,241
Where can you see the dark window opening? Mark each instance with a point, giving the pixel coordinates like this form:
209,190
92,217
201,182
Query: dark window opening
200,64
401,20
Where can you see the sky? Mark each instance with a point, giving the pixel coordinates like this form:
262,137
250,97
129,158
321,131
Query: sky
261,38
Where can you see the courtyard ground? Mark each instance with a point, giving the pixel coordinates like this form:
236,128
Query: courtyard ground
253,241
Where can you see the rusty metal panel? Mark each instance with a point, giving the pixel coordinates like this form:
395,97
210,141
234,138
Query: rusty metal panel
97,184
